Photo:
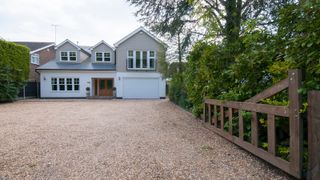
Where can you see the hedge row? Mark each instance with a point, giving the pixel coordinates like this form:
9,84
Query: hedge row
14,69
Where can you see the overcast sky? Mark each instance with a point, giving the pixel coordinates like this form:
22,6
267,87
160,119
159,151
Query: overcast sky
85,21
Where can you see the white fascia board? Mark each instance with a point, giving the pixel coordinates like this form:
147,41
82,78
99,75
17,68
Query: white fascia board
102,42
135,32
65,41
45,47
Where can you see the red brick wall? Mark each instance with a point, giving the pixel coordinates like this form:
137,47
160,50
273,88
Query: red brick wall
45,55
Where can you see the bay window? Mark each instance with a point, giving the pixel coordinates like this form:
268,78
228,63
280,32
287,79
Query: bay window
143,60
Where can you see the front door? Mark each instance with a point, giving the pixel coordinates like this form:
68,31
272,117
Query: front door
105,87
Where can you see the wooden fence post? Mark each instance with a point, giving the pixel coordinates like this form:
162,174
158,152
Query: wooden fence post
314,135
295,121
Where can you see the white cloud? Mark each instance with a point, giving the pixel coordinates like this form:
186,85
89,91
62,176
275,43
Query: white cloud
85,21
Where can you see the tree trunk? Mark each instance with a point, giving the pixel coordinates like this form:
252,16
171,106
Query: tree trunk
179,54
233,20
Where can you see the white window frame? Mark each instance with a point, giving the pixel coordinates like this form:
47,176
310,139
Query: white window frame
36,56
54,84
103,57
68,56
73,84
141,60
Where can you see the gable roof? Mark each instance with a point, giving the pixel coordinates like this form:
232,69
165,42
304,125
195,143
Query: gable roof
101,42
68,41
81,48
35,46
137,31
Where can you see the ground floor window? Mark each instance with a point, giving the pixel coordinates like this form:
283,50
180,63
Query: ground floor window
65,84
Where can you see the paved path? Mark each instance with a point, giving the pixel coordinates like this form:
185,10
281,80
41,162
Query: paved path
116,139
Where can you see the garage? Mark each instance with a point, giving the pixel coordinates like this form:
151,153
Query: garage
140,88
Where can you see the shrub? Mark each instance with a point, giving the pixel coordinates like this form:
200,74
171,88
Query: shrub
14,69
178,92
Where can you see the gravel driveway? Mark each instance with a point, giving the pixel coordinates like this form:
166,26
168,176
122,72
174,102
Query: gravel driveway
116,139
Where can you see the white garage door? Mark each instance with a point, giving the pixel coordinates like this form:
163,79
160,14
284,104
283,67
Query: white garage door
141,88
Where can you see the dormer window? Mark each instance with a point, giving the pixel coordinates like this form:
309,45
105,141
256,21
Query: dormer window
103,57
68,56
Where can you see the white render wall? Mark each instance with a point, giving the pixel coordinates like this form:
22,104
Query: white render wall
86,81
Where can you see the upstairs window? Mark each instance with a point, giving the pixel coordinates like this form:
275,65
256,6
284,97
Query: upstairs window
99,57
35,59
130,59
152,59
107,57
103,57
142,60
64,56
68,56
72,56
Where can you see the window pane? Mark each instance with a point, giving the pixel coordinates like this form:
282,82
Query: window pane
151,63
130,63
151,53
144,59
98,56
130,53
76,87
109,84
138,59
107,57
76,80
54,87
53,80
72,54
61,84
101,84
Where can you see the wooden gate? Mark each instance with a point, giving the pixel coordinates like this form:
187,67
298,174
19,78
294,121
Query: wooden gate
216,112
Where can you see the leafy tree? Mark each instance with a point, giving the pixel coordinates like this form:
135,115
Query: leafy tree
14,71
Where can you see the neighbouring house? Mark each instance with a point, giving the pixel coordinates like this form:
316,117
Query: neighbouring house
128,70
40,53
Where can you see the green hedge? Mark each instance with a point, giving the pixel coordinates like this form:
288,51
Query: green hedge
14,69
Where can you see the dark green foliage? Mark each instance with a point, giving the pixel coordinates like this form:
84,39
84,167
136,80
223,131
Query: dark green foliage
14,69
178,92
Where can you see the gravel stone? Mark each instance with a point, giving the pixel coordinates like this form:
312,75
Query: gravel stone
117,139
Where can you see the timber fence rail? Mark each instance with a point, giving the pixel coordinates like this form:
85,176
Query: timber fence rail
221,113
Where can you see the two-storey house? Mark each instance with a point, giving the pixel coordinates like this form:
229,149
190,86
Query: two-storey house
128,70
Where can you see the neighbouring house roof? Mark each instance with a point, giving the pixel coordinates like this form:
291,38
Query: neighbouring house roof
35,46
101,42
137,31
86,65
